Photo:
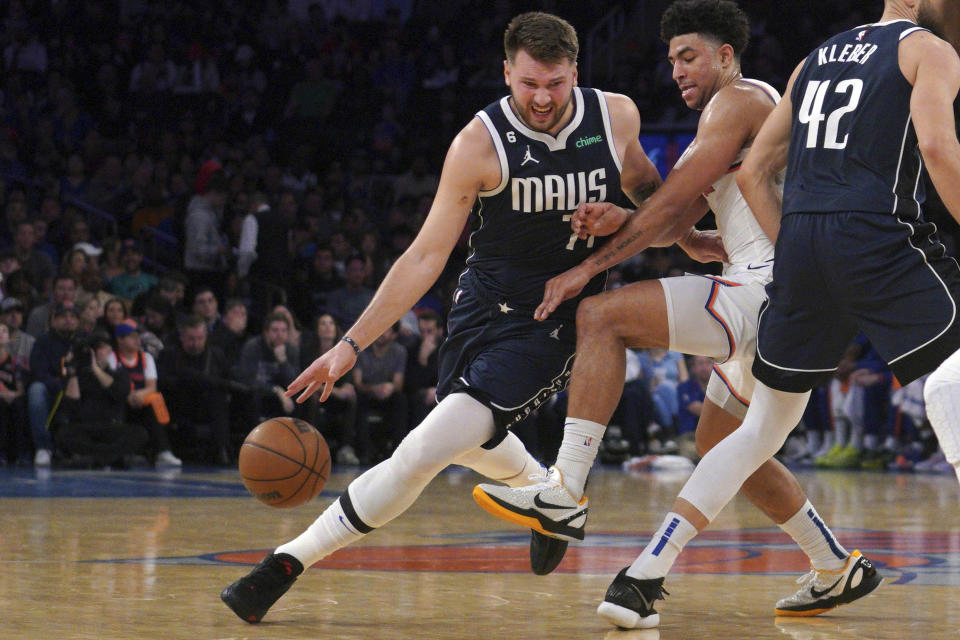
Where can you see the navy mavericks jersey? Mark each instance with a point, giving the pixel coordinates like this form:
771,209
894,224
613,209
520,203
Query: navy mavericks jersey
521,236
852,145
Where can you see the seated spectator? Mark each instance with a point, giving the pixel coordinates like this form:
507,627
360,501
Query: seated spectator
64,290
91,283
348,302
145,405
422,372
295,327
40,233
133,281
664,370
37,264
110,264
159,323
230,333
195,380
206,305
21,342
95,407
635,412
74,263
381,404
14,437
173,287
49,378
114,312
859,400
691,395
16,285
90,313
336,418
269,362
314,282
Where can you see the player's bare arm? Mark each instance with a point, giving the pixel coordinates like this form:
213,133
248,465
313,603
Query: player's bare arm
767,157
471,165
639,177
933,68
729,122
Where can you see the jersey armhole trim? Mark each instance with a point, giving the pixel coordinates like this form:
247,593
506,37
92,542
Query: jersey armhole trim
907,32
608,127
501,155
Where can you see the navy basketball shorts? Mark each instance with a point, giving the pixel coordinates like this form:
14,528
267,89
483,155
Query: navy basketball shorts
838,274
504,358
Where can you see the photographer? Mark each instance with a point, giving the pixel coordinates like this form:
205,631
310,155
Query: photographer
95,403
46,366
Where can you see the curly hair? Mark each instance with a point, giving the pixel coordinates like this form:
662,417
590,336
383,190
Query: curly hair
721,20
546,37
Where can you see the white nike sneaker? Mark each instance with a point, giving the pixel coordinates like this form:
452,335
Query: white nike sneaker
547,507
167,459
822,591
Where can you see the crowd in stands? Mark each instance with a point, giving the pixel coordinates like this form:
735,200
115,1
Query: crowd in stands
198,199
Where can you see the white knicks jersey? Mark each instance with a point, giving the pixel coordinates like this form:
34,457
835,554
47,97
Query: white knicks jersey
748,248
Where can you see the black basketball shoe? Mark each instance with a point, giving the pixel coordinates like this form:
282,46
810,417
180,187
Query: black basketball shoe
251,596
629,602
546,552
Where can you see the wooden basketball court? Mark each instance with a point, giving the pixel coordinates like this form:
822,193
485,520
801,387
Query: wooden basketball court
144,554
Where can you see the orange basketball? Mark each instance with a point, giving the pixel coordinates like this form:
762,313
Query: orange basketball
284,462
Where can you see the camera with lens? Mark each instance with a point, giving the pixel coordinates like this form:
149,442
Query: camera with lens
82,353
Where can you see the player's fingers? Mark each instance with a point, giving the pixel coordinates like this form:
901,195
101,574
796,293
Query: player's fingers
327,390
307,392
294,387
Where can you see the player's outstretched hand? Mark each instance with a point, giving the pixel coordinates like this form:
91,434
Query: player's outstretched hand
705,246
560,288
322,373
597,219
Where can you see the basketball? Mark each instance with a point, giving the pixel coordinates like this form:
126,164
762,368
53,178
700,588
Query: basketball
284,462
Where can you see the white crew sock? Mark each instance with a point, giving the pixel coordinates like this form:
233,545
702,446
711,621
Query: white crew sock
581,440
331,531
808,530
661,552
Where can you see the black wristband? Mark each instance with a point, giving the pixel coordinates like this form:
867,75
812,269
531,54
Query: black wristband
349,341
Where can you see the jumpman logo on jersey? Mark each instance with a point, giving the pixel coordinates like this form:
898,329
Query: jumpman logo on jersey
504,307
555,334
528,157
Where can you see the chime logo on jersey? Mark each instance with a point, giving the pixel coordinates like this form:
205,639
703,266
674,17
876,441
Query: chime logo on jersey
558,192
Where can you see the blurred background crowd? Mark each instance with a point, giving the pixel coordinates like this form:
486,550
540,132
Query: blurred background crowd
198,200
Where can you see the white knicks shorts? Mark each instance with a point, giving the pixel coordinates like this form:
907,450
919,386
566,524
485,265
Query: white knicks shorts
717,317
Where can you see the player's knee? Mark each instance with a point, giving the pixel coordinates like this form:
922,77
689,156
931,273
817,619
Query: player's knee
594,316
413,458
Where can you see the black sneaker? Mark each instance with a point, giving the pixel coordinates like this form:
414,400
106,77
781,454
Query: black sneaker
251,596
629,602
546,552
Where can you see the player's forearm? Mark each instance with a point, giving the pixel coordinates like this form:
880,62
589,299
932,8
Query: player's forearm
943,164
643,229
408,280
640,193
